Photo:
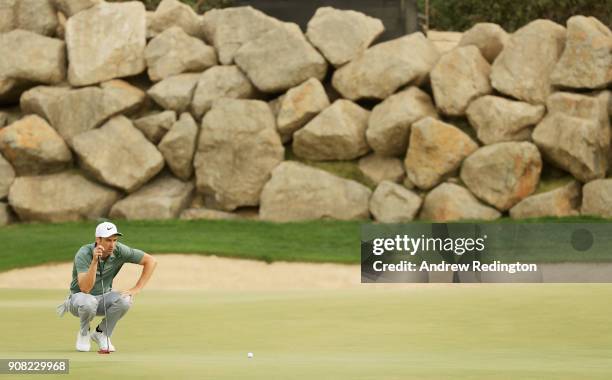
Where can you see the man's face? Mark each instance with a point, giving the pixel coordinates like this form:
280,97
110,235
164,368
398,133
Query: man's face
108,244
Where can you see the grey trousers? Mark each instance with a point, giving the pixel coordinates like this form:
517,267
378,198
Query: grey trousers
86,307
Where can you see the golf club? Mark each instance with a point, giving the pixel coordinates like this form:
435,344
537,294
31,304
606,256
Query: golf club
101,351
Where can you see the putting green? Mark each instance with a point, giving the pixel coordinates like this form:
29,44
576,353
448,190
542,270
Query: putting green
430,332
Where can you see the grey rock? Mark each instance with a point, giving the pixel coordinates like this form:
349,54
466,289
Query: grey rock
127,164
163,198
299,192
178,146
388,130
337,133
52,198
393,203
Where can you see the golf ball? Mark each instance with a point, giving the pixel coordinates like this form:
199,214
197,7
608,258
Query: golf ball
250,355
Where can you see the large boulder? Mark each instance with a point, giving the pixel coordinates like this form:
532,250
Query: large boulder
280,59
436,149
128,163
503,174
175,93
341,35
449,202
597,198
207,214
393,203
163,198
389,124
522,70
337,133
238,148
156,125
575,135
38,16
220,82
498,119
379,168
230,28
299,106
489,38
299,192
7,15
71,7
459,77
7,176
72,112
33,147
385,67
563,201
171,13
586,61
106,41
178,146
52,198
31,58
174,52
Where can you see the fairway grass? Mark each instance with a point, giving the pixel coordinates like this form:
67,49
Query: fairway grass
545,331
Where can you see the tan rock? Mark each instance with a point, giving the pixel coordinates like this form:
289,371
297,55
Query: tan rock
178,146
280,59
299,192
7,176
342,35
436,149
220,82
106,41
127,164
5,214
393,203
575,135
586,61
72,112
72,7
563,201
337,133
385,67
489,38
33,147
459,77
163,198
379,168
503,174
299,106
7,15
52,198
389,124
207,214
238,148
229,29
37,16
444,41
498,119
175,93
174,52
156,125
597,198
522,70
450,202
170,13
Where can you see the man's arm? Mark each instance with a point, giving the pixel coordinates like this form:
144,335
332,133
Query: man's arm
87,279
149,263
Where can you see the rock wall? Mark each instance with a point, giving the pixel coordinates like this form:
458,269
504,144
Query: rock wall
107,110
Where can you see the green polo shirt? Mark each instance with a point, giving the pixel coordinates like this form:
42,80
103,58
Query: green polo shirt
110,267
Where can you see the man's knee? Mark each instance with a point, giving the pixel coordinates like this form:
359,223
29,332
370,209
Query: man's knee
123,303
86,304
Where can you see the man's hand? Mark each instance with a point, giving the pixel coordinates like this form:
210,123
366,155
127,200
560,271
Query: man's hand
97,253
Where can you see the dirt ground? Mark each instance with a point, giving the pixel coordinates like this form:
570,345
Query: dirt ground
176,271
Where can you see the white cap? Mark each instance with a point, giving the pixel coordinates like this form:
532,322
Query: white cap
107,229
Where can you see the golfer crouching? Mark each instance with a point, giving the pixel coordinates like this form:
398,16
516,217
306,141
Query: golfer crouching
95,266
